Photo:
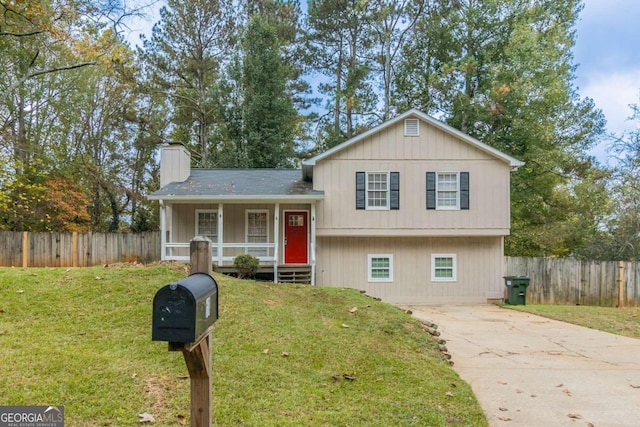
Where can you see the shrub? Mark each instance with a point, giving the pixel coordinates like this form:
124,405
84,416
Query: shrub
246,265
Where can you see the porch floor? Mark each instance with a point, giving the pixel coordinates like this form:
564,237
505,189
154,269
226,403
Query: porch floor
286,273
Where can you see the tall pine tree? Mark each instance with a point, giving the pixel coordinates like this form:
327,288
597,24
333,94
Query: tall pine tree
502,72
270,120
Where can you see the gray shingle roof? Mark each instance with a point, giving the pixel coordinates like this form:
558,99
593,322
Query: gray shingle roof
239,183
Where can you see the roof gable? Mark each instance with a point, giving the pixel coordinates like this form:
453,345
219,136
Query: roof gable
497,154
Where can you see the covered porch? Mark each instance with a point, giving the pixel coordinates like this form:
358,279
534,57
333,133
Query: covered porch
281,235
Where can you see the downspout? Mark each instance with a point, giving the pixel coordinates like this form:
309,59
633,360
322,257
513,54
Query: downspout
220,242
313,244
276,235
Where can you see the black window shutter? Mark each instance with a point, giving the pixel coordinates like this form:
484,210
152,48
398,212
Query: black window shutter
431,190
464,190
395,190
360,190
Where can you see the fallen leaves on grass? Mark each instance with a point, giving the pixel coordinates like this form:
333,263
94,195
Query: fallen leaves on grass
182,419
344,325
285,354
353,310
146,418
347,377
265,351
448,394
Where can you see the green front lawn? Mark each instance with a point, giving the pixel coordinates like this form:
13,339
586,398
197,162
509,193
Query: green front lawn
82,338
622,321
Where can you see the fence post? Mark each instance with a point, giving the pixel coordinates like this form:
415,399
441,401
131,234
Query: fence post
620,284
74,249
25,249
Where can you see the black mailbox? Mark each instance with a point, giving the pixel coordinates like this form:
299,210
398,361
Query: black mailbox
183,311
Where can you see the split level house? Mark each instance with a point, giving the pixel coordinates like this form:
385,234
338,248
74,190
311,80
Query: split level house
412,211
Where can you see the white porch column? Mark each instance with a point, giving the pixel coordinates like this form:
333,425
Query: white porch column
163,231
220,241
312,247
169,225
276,240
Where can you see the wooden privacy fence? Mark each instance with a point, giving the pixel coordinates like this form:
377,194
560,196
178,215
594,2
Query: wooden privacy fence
572,281
24,249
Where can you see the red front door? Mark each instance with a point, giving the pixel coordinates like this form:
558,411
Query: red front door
296,241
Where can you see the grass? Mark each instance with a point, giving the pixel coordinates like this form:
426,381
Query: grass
621,321
82,338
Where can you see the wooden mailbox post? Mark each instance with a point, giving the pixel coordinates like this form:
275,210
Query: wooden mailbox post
197,354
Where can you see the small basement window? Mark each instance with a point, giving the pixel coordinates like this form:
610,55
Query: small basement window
411,127
380,268
443,268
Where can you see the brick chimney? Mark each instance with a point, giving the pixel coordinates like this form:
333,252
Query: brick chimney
175,163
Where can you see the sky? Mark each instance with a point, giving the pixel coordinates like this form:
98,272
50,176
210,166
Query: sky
607,55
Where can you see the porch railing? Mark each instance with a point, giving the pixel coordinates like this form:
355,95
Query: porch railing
265,252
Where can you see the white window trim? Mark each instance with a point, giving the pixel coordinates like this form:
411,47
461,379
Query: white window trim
370,258
448,208
197,223
417,131
246,226
366,192
454,268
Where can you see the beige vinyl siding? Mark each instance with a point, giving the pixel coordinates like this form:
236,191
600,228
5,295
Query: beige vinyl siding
175,164
412,157
343,262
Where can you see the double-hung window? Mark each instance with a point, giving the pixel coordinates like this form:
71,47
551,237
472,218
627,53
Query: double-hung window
443,267
378,190
257,231
380,268
207,226
448,190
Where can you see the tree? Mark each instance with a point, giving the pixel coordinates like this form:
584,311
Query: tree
502,72
620,236
340,45
38,200
65,102
183,61
270,119
392,23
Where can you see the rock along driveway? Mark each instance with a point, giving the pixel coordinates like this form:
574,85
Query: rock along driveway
531,371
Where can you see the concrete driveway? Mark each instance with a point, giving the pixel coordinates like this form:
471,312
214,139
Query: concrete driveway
531,371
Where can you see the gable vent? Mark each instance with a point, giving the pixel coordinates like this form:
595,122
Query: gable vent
411,127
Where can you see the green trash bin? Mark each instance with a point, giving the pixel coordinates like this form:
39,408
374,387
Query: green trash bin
516,289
